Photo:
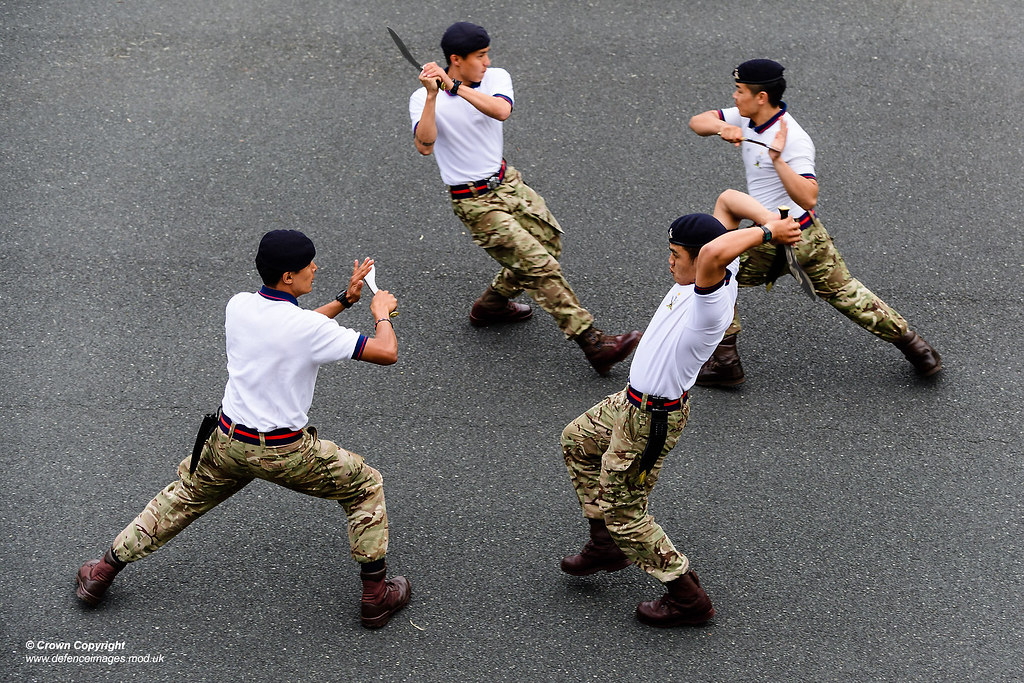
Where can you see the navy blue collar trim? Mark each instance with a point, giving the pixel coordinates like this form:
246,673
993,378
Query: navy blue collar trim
768,124
714,288
277,295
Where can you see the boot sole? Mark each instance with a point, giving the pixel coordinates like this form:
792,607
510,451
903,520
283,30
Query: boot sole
930,372
378,622
383,619
486,322
606,568
677,622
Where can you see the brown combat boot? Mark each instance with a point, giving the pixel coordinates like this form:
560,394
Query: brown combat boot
382,597
723,369
605,350
600,552
494,309
95,576
685,604
922,356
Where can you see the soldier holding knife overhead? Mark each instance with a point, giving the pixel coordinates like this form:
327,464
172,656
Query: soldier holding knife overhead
457,117
614,451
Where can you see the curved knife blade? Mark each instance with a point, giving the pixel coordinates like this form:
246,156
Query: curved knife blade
758,142
755,142
404,50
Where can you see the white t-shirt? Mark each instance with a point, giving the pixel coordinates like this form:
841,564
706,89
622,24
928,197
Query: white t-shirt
681,336
275,349
469,144
763,183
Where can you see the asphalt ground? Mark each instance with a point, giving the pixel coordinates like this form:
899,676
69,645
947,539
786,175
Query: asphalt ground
850,521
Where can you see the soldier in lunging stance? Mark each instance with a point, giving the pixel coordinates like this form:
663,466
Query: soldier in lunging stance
779,159
615,450
457,116
275,349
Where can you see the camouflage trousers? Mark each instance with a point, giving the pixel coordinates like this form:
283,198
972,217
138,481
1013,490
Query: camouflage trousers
832,283
311,466
513,224
602,449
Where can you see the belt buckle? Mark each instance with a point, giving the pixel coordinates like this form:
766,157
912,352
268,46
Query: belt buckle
493,182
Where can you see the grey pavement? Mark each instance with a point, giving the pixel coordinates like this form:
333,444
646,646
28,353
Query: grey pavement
849,521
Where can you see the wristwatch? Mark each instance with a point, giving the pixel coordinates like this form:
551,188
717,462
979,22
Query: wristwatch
767,233
455,87
342,299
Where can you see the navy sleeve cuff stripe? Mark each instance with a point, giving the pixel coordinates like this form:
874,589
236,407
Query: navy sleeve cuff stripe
360,345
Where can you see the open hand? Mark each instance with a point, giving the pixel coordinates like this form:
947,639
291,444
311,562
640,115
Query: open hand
355,284
779,143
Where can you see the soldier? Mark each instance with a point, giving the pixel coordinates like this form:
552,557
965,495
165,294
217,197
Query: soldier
615,450
457,116
274,350
780,171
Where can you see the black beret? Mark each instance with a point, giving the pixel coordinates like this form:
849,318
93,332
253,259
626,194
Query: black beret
758,71
285,251
695,230
462,37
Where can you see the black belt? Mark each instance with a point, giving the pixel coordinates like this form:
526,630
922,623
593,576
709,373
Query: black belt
278,437
659,408
480,186
652,403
